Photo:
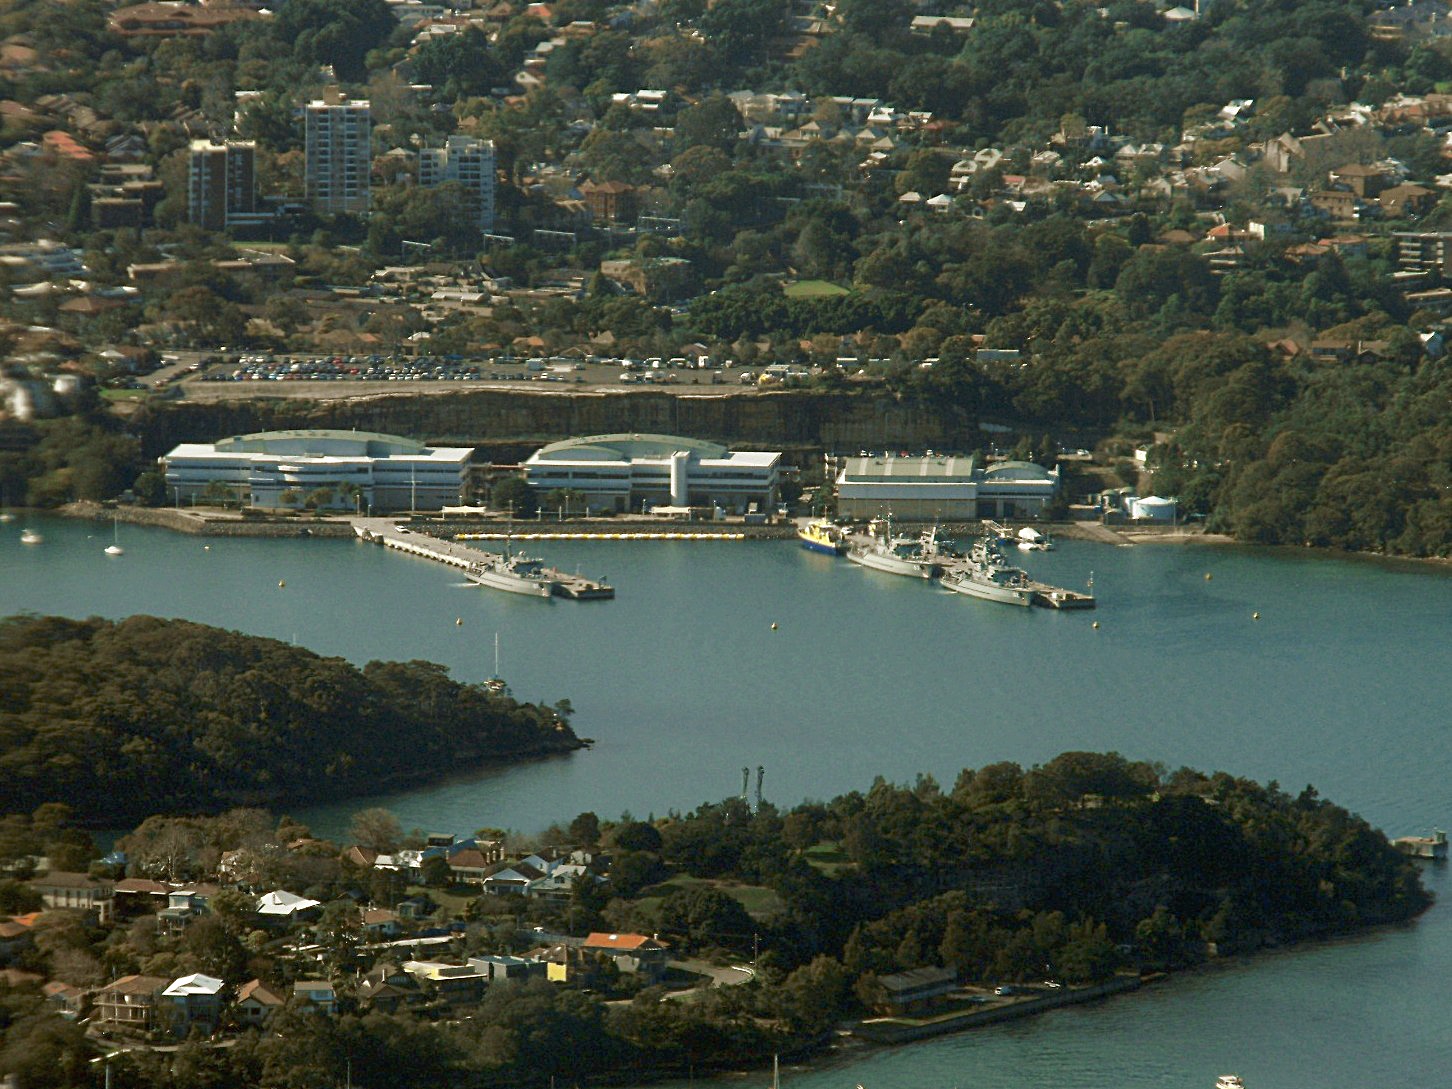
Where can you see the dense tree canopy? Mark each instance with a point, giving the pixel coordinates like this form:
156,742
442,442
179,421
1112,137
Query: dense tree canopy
122,719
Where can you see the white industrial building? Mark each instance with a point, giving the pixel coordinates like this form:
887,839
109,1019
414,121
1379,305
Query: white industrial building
336,469
942,486
635,472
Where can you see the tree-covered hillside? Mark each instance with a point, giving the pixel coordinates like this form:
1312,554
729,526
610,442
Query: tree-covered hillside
122,719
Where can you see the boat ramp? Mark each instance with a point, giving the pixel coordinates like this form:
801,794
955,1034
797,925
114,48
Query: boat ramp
390,534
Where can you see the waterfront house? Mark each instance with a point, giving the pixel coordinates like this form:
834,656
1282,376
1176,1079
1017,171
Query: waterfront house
183,905
256,1003
130,1002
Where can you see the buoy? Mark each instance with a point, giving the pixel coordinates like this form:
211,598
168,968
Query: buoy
1208,576
1255,616
459,622
773,625
1095,625
281,583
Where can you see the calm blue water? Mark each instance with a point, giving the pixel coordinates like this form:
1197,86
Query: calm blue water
1344,682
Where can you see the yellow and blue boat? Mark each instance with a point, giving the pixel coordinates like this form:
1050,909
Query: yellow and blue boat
820,535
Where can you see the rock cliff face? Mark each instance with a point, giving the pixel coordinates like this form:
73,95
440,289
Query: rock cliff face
803,422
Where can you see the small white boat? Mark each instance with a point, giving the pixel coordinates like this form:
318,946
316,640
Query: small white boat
1031,540
29,536
114,548
1230,1081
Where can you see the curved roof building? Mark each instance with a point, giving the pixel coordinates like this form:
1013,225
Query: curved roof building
333,469
942,486
630,472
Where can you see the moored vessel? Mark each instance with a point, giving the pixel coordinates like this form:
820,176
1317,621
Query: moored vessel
30,536
514,574
916,557
821,535
985,575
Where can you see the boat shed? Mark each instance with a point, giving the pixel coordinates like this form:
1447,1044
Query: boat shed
942,486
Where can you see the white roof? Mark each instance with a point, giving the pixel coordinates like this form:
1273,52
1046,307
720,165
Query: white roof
283,903
195,983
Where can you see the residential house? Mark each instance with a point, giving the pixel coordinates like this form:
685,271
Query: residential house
183,905
256,1003
455,984
387,987
62,889
316,994
380,923
68,1001
610,202
637,954
1365,181
1340,204
1402,201
282,908
139,896
14,937
511,879
193,1001
501,969
130,1003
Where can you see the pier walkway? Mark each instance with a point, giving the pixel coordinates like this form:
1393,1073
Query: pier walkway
389,533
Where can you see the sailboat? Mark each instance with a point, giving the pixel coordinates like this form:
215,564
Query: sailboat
495,684
30,536
114,548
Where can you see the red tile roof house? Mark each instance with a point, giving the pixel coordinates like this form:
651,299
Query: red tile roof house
635,953
130,1003
256,1002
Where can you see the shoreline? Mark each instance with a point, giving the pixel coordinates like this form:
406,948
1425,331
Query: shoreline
213,523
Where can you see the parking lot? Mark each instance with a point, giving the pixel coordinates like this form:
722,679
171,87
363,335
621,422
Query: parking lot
216,376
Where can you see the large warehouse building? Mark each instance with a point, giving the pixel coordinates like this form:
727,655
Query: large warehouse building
942,486
633,472
339,469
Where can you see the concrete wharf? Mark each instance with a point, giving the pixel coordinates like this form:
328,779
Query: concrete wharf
387,532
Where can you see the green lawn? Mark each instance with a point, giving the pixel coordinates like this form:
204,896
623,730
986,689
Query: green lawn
125,394
758,900
813,289
828,857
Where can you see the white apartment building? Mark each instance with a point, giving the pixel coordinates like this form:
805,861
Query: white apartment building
339,155
467,161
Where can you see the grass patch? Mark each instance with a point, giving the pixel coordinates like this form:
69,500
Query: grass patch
828,857
125,394
813,289
758,900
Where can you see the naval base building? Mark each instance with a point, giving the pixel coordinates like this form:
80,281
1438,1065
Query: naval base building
344,470
922,489
625,473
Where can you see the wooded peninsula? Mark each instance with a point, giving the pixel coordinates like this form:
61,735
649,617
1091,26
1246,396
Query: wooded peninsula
123,719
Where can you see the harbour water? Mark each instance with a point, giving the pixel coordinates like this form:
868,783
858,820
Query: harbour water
1345,681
